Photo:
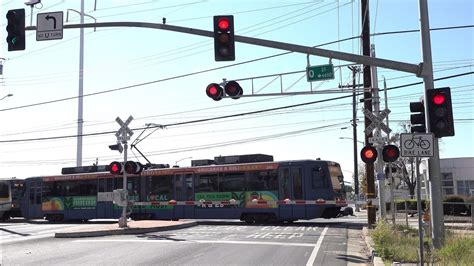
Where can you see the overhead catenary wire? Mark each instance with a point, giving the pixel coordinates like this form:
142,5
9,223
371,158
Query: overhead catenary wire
230,116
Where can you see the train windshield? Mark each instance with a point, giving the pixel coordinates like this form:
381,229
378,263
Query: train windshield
4,190
336,176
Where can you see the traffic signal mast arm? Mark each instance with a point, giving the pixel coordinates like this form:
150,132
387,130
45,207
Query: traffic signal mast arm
360,59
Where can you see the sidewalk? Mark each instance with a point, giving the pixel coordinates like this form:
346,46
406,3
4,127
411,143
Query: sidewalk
133,227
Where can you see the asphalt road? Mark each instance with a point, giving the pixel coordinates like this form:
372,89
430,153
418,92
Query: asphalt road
317,242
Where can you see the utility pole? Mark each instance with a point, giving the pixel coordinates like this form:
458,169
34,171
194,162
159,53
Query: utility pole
436,202
355,70
369,167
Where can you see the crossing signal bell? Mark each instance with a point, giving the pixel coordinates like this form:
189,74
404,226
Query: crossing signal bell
231,89
390,153
417,119
224,43
368,154
16,29
440,110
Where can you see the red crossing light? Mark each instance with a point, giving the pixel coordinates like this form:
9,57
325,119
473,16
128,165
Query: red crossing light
214,91
116,168
133,168
368,154
233,89
390,153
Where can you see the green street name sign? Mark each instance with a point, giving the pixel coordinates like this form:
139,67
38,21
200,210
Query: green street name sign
322,72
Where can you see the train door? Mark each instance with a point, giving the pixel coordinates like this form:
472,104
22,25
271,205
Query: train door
291,187
184,192
32,201
105,208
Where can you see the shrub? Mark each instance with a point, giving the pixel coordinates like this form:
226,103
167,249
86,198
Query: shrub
457,251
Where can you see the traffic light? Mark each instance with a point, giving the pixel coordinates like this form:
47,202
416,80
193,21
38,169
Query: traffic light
390,153
368,154
233,89
16,29
134,168
440,111
418,121
116,168
214,91
224,43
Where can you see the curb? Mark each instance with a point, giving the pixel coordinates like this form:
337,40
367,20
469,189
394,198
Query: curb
126,231
374,259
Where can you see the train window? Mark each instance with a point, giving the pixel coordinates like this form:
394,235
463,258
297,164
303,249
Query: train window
207,183
263,180
232,182
189,187
319,180
4,190
159,188
297,183
285,183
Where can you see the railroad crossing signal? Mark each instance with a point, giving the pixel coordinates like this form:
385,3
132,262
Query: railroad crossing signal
377,121
440,112
231,89
132,167
116,168
16,29
390,153
124,133
224,43
368,154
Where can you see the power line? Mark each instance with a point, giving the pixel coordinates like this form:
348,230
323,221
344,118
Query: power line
229,116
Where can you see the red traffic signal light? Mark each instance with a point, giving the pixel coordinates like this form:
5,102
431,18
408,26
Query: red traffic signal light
368,154
16,29
233,89
134,168
390,153
116,168
224,43
215,91
440,112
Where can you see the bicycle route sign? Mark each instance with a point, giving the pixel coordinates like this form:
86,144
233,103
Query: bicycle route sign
416,144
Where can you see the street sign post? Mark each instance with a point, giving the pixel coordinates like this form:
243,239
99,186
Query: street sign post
49,26
321,72
416,144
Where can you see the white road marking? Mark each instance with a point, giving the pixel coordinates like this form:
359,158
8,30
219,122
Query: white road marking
198,241
312,258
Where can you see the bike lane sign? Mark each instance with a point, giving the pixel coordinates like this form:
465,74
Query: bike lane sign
416,144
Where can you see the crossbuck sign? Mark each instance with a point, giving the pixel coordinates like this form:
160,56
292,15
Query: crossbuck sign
124,133
377,121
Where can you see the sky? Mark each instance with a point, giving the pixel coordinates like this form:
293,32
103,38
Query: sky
159,77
